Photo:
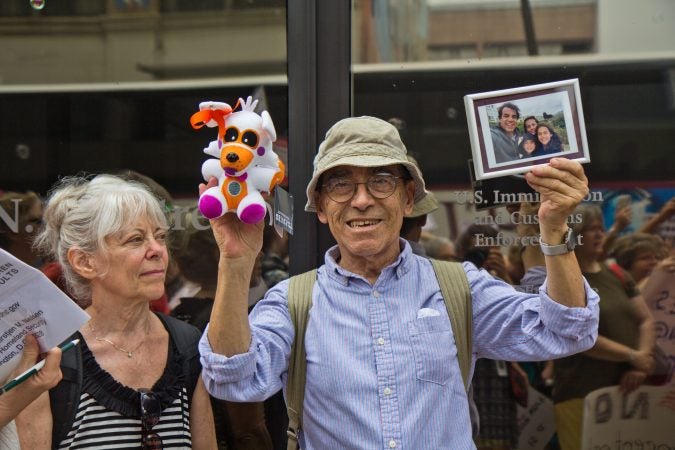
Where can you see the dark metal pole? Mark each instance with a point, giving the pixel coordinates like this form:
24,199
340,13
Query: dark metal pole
319,94
528,23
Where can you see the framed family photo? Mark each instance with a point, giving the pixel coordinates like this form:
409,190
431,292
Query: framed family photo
512,130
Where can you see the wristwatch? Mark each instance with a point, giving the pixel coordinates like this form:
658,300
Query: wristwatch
567,246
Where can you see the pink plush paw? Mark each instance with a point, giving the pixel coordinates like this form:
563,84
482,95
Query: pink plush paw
252,214
210,207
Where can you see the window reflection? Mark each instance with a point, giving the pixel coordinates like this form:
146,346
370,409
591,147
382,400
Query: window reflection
417,60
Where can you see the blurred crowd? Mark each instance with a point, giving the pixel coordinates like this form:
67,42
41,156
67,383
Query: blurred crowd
628,270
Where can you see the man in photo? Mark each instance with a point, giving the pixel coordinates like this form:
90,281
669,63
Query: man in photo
505,136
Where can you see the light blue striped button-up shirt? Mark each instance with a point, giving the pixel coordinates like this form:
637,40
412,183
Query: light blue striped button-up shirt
382,375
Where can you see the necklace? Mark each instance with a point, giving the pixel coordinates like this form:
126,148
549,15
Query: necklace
130,353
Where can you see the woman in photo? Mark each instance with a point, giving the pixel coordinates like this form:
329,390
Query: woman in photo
548,139
530,125
529,147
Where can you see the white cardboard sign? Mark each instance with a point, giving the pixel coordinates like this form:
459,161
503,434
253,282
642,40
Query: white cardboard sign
536,422
644,419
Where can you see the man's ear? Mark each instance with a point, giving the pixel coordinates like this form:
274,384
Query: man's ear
410,197
83,263
320,212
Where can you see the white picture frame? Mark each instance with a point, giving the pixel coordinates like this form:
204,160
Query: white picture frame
499,151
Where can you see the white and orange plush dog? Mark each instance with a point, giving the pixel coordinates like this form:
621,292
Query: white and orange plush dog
245,166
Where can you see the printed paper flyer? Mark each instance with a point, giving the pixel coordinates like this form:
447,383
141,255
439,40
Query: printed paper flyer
30,303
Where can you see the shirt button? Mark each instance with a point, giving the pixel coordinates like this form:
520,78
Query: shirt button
387,391
392,444
380,341
376,294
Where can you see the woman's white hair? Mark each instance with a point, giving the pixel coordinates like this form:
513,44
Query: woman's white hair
81,213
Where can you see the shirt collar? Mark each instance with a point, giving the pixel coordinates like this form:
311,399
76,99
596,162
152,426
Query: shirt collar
400,267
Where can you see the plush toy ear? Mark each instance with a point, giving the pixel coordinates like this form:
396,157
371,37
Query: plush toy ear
211,114
268,126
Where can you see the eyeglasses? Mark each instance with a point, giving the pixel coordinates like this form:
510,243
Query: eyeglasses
380,186
150,413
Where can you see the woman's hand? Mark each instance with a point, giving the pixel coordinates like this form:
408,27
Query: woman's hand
631,380
622,218
30,400
47,377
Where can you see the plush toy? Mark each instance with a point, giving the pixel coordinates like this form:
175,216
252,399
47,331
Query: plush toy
245,166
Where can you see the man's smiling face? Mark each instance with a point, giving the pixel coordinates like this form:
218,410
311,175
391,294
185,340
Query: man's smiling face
366,228
508,120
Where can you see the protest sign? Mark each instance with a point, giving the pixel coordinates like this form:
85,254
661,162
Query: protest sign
659,294
644,419
30,303
535,421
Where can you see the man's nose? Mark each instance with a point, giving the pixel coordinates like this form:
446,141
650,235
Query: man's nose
362,196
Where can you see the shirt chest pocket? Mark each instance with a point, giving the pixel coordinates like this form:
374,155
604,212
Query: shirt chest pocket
433,348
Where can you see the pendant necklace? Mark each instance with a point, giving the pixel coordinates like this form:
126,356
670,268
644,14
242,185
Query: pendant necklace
130,353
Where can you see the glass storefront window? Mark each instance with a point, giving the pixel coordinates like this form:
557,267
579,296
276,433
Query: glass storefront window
415,61
105,85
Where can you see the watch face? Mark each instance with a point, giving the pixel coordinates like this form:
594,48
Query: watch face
570,239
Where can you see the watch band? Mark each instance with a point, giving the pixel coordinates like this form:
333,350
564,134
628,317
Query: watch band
554,250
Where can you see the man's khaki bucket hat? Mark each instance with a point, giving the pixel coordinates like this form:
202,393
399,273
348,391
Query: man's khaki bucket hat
362,142
427,205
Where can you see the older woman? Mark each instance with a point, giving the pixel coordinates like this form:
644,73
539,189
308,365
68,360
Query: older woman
109,236
638,254
622,354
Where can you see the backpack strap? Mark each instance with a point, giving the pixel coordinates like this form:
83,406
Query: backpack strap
65,396
186,337
300,289
457,295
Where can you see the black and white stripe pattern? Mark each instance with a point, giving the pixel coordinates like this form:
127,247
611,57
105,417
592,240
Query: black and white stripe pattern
96,427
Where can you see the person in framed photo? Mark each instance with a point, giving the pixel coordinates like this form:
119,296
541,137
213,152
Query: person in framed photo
549,141
505,135
530,125
529,147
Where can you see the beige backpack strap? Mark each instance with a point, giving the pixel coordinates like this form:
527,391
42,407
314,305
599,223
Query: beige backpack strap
457,295
300,290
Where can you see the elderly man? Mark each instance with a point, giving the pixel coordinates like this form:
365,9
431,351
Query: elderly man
381,375
505,137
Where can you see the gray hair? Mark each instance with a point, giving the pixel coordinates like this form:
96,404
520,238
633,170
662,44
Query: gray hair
434,244
584,214
82,213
